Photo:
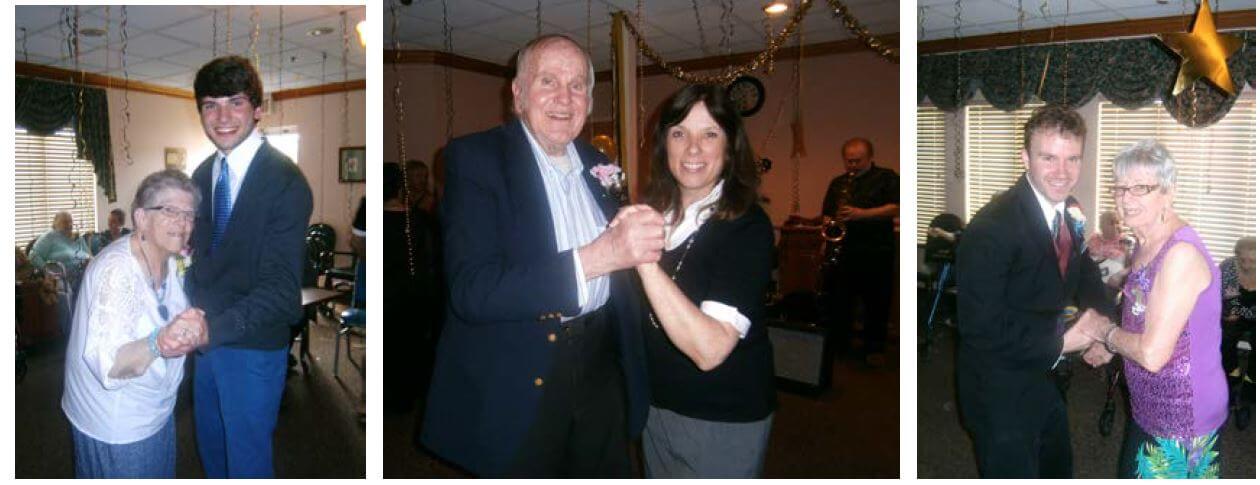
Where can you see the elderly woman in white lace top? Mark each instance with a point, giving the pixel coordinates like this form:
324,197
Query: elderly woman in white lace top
133,325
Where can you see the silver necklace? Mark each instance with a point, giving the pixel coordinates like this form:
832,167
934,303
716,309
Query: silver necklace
160,297
674,277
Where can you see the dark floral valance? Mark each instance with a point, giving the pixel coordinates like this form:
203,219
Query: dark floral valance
43,107
1129,72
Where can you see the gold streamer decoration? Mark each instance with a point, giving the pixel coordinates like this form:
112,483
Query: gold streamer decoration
729,73
841,11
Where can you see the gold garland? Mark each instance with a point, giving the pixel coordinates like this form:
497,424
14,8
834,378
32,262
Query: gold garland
729,73
839,9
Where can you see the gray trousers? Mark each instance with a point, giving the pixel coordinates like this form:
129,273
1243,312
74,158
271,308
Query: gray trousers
676,446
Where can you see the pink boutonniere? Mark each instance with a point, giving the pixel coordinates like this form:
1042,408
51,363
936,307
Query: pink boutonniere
612,179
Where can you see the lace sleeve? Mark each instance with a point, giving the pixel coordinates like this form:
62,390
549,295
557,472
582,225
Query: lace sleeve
112,320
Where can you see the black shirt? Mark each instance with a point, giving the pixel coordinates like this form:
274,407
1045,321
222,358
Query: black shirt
729,262
875,188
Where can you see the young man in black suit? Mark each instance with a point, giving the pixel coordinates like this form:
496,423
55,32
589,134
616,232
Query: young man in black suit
248,246
1020,265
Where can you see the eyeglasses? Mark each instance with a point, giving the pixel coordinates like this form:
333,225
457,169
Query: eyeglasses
174,213
1136,190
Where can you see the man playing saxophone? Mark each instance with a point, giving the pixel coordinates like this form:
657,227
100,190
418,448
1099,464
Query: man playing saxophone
865,199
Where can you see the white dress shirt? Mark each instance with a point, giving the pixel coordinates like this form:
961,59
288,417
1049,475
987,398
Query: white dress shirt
238,161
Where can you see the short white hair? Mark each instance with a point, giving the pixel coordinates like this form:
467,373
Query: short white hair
1150,154
524,55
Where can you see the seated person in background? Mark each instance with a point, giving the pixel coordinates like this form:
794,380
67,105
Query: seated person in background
117,219
1108,248
59,244
1238,313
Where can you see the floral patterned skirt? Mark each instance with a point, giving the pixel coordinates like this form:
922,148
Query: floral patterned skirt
1146,456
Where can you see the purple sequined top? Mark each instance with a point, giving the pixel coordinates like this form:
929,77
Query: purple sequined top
1188,397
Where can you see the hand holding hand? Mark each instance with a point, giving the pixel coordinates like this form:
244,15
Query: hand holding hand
636,236
1097,355
184,334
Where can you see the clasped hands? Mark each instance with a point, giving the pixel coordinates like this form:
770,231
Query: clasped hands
1089,334
184,334
635,237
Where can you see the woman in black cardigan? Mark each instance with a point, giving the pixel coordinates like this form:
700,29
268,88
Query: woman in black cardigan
709,358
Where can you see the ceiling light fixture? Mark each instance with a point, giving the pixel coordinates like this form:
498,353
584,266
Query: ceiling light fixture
318,31
775,7
92,32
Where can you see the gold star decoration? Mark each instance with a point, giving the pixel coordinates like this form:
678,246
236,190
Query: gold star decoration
1203,53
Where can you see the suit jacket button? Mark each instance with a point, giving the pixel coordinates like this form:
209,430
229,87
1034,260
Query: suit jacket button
538,382
551,337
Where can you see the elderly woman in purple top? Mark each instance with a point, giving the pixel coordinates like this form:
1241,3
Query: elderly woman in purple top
1170,333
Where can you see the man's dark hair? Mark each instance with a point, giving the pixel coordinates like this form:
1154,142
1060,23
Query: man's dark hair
392,181
122,215
739,170
228,76
1057,119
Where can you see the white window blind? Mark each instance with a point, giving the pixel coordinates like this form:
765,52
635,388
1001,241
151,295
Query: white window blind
1216,166
49,178
994,140
930,158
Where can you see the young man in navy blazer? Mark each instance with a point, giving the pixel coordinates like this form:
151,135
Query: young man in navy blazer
248,249
539,369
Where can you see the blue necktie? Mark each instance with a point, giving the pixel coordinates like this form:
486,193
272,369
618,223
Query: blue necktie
222,203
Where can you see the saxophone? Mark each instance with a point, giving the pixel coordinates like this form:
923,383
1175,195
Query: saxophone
834,230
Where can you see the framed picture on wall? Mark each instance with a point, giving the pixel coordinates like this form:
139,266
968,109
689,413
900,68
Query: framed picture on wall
352,163
176,158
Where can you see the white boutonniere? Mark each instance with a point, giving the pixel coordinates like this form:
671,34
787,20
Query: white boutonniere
612,179
183,261
1078,221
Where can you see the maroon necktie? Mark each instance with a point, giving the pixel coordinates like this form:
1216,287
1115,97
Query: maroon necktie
1062,243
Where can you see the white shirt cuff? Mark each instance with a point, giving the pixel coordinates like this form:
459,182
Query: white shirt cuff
581,282
726,314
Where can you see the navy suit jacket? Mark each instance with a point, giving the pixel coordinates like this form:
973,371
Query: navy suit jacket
250,286
508,284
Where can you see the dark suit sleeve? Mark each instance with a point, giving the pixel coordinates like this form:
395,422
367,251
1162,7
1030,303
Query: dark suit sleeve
274,298
484,285
988,321
1092,292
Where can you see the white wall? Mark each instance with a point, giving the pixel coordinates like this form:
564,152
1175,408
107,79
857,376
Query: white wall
158,122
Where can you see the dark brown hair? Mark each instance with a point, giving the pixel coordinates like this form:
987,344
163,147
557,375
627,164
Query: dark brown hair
228,76
739,169
1057,119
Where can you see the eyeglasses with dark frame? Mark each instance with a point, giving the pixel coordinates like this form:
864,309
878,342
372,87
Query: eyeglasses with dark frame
174,213
1136,190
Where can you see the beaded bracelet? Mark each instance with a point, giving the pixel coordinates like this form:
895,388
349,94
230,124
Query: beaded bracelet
153,346
1107,338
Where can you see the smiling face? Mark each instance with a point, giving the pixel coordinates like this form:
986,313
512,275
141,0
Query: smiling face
551,95
1053,162
1141,211
166,232
696,149
228,120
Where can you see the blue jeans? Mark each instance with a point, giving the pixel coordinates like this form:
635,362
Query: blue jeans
236,399
152,457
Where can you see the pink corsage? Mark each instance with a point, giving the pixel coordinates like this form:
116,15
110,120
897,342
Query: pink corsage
611,178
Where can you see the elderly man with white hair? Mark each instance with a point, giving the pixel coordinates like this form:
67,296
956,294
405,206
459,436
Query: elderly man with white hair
539,370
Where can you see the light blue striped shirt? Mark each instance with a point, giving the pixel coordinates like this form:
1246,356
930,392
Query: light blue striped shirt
577,219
